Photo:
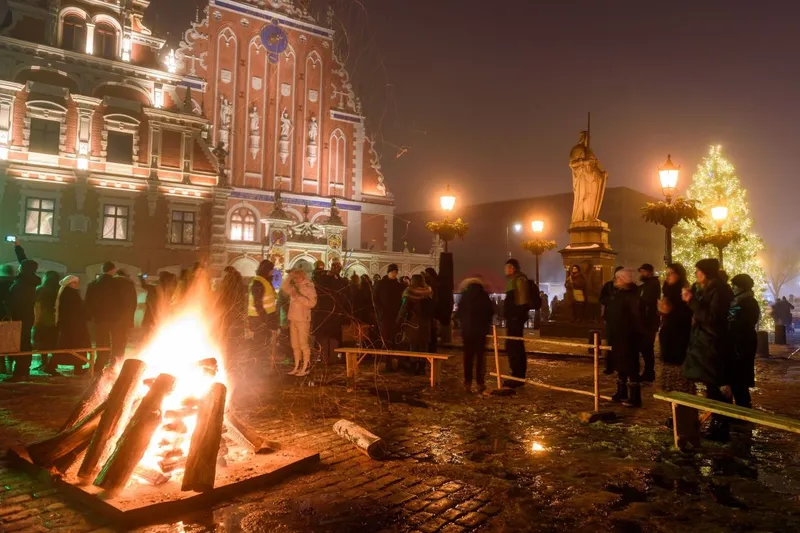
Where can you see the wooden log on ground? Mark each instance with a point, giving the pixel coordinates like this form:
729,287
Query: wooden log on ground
135,438
242,434
201,464
368,443
150,475
117,405
94,395
47,452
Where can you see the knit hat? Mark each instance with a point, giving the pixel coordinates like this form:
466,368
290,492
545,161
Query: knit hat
647,267
743,281
709,267
626,276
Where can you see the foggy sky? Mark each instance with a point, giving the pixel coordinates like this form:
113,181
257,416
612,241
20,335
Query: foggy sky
489,96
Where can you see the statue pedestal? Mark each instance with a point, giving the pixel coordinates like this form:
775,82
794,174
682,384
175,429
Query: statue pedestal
589,249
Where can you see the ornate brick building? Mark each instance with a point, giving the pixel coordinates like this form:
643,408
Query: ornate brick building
246,141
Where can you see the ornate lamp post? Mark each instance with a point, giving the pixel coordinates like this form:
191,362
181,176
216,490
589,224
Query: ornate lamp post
517,227
537,246
668,175
720,239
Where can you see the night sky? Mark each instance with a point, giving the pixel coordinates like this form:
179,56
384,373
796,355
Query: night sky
489,96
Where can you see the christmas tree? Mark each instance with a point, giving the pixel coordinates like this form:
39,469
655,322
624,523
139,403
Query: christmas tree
715,183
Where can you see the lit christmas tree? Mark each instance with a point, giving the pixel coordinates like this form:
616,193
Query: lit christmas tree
716,183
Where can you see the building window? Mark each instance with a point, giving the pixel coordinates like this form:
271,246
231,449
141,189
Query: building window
115,222
119,148
39,214
243,225
105,41
45,136
73,34
182,228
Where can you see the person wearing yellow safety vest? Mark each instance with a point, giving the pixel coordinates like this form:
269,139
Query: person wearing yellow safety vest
262,318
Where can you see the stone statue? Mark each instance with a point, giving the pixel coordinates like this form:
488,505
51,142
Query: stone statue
254,120
286,124
220,153
313,129
588,181
225,112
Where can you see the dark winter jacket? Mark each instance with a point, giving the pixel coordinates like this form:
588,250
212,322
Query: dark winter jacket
709,344
606,294
743,317
388,296
128,301
333,307
21,297
45,334
5,288
364,310
475,311
517,302
416,315
73,329
650,293
626,329
676,326
103,300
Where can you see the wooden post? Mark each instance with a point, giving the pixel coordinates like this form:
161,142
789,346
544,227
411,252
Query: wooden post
92,397
596,372
118,403
496,357
685,426
436,371
136,438
201,464
47,452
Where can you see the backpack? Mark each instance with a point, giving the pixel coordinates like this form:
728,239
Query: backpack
536,298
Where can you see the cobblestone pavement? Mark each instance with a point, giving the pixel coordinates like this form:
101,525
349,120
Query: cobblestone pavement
459,462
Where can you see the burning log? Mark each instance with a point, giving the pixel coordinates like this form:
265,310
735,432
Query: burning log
176,427
201,465
151,475
117,404
209,366
178,414
171,465
47,452
136,437
370,444
239,432
92,397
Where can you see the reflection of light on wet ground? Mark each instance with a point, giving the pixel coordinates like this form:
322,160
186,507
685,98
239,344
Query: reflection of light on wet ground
537,447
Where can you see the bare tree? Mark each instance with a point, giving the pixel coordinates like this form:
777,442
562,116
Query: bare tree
782,267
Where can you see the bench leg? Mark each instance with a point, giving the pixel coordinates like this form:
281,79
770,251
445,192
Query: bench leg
686,426
436,371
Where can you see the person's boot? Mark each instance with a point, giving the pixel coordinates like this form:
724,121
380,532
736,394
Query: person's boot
718,431
634,395
622,392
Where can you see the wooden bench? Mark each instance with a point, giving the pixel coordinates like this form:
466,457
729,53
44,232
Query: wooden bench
354,356
686,424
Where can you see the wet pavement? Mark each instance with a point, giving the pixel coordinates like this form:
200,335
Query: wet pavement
460,462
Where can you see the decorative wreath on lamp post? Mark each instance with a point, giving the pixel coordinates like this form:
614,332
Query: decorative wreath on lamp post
538,246
447,229
670,214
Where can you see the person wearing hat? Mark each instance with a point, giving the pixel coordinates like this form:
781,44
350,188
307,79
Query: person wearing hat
743,317
709,343
626,330
20,302
262,318
388,296
71,320
650,294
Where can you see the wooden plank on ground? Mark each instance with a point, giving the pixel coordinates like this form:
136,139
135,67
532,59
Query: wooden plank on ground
551,387
733,411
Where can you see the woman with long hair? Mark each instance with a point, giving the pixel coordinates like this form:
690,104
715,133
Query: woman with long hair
676,328
72,319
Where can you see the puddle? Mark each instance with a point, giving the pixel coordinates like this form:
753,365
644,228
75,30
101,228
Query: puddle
394,396
780,484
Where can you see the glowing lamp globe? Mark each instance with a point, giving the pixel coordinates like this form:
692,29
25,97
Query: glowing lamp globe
448,201
517,227
668,174
537,226
719,213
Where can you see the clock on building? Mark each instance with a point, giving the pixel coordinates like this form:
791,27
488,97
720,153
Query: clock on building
274,40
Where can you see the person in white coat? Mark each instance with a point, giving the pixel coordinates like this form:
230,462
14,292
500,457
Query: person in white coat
302,298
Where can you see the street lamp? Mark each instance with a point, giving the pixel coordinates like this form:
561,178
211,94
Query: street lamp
537,246
447,200
517,229
668,175
719,213
537,226
720,240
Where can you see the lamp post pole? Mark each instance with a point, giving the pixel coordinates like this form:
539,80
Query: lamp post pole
668,175
719,213
537,226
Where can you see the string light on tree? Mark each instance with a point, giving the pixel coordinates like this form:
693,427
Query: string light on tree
716,178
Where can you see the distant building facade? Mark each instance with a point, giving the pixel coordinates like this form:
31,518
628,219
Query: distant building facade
492,237
108,138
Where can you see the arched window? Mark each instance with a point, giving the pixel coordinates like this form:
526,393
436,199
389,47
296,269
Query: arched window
73,34
243,225
105,41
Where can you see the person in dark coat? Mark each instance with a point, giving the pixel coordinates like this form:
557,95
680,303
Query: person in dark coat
743,318
626,330
709,343
475,313
128,303
72,321
415,317
576,289
606,294
20,302
388,296
44,335
676,327
6,280
432,280
650,294
364,309
102,306
332,312
516,305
